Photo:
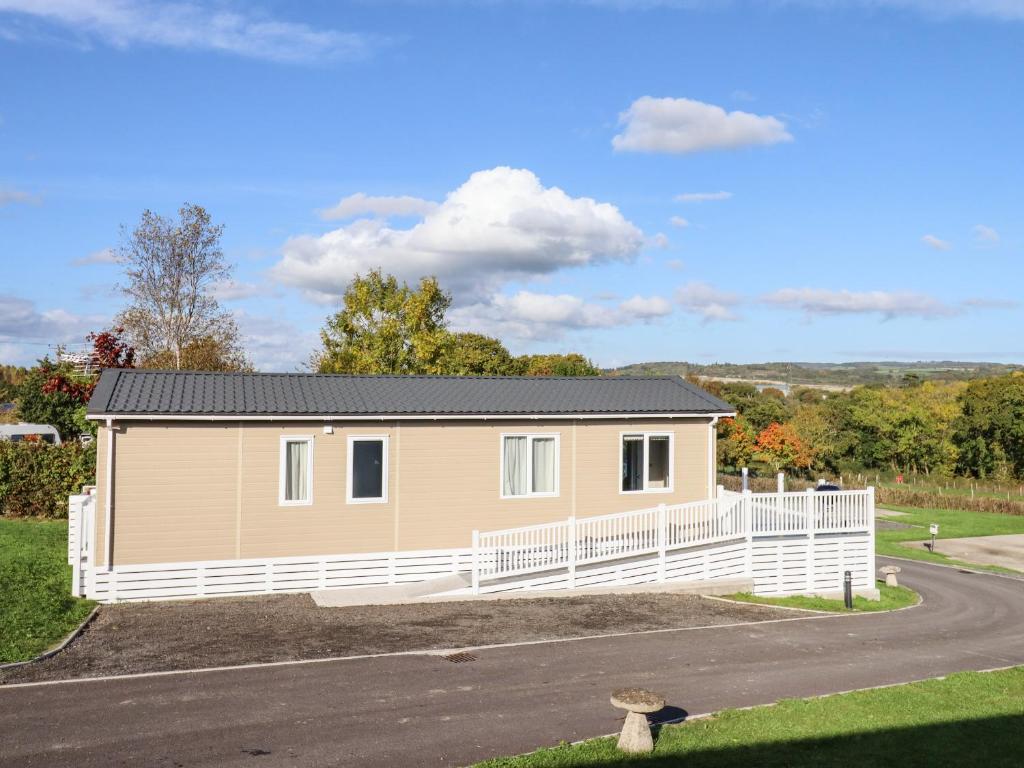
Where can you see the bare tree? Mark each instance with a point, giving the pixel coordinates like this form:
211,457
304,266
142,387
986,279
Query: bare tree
172,268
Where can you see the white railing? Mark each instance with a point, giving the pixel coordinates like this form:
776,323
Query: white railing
731,516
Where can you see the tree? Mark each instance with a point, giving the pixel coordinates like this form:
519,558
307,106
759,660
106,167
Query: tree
171,269
387,327
473,354
571,364
208,353
989,432
110,350
54,394
779,446
736,442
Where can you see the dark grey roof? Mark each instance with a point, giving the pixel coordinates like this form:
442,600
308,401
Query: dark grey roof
192,393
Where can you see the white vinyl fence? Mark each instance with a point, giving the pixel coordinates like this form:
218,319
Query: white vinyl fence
785,543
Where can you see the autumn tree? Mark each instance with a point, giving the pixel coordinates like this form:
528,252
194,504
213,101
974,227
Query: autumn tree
386,327
736,442
171,268
781,448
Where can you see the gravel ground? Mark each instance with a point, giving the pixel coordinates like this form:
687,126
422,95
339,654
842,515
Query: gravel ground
150,637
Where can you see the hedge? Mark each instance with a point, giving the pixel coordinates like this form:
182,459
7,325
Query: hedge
36,478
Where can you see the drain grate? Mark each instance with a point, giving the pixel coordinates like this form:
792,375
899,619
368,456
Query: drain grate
460,658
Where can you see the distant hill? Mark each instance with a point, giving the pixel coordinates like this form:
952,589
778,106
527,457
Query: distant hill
822,374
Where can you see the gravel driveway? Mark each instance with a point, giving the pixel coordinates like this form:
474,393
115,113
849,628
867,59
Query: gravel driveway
150,637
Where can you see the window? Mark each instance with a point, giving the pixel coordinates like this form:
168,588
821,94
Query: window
646,462
295,486
529,465
367,469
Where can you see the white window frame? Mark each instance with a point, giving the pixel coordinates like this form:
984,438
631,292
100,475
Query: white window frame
385,449
647,435
530,437
282,470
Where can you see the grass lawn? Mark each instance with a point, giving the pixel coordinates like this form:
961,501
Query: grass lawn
36,606
953,524
891,599
967,719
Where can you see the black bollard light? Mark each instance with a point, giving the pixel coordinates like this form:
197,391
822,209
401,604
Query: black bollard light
848,589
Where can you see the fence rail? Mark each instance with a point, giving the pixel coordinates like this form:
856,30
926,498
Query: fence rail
730,516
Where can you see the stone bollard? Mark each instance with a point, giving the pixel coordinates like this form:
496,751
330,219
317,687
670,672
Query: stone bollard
636,733
889,572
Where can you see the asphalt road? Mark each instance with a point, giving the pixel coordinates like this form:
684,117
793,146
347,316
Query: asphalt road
423,710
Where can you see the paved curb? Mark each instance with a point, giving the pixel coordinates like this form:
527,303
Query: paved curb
63,644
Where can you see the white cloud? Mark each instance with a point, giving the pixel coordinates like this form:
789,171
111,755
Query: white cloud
275,344
980,303
889,304
30,329
679,221
102,256
501,224
936,243
984,235
660,240
700,197
709,303
685,125
234,290
644,307
361,204
530,316
10,195
187,25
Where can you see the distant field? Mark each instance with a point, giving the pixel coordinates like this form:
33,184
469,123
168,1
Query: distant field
820,374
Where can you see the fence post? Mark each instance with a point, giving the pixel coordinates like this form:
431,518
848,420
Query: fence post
662,540
476,562
76,563
748,532
871,535
572,552
809,511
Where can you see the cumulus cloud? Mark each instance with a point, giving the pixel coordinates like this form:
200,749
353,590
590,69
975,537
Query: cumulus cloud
10,195
679,222
889,304
234,290
685,125
529,316
660,240
275,344
701,197
22,324
187,25
984,235
501,224
709,303
361,204
937,243
102,256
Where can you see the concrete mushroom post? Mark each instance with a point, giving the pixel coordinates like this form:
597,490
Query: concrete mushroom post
636,733
889,572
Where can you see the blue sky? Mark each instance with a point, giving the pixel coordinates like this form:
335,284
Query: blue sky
737,181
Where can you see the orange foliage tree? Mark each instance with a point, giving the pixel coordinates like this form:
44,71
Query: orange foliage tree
779,446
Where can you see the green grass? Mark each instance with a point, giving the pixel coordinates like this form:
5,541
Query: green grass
891,598
967,719
36,606
953,524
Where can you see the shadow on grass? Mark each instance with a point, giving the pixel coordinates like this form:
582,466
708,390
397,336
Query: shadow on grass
990,742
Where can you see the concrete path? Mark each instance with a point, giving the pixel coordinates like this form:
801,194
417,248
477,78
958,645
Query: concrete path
1006,550
424,710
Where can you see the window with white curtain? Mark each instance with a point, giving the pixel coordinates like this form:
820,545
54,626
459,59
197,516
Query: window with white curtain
529,465
646,459
367,469
295,484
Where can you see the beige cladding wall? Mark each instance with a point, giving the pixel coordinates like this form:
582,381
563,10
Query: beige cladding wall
209,490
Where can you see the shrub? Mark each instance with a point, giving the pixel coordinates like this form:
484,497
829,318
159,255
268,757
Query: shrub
36,478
